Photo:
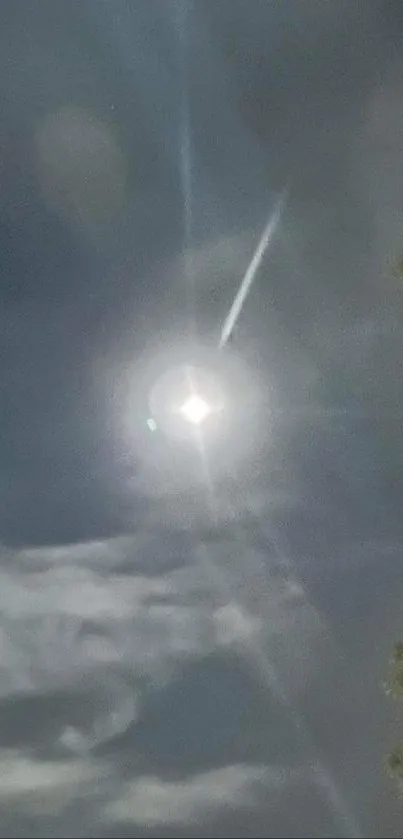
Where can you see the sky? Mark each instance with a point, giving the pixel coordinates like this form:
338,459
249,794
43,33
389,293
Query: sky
194,637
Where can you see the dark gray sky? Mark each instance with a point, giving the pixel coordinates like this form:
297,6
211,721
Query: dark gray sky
167,671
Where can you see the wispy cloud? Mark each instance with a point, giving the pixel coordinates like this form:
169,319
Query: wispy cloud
68,624
35,786
152,801
72,619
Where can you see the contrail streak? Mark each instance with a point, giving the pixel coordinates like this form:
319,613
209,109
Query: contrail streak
251,271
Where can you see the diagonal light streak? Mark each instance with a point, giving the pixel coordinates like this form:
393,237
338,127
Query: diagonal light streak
258,657
252,270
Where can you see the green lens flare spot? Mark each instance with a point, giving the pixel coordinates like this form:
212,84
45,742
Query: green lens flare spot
152,425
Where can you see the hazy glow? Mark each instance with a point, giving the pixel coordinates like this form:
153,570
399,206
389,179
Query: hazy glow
195,409
81,168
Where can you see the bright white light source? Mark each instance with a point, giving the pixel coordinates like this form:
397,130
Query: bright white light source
195,409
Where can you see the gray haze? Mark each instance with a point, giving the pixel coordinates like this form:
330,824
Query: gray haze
188,649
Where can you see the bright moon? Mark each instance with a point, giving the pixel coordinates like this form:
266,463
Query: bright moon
195,409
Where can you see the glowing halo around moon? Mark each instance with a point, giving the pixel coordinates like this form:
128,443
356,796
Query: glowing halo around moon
180,396
186,397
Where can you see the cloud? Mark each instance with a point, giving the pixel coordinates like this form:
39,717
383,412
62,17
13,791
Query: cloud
67,625
60,599
41,786
73,621
234,624
76,794
152,801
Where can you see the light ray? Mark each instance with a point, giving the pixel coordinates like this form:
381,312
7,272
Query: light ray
185,163
258,657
